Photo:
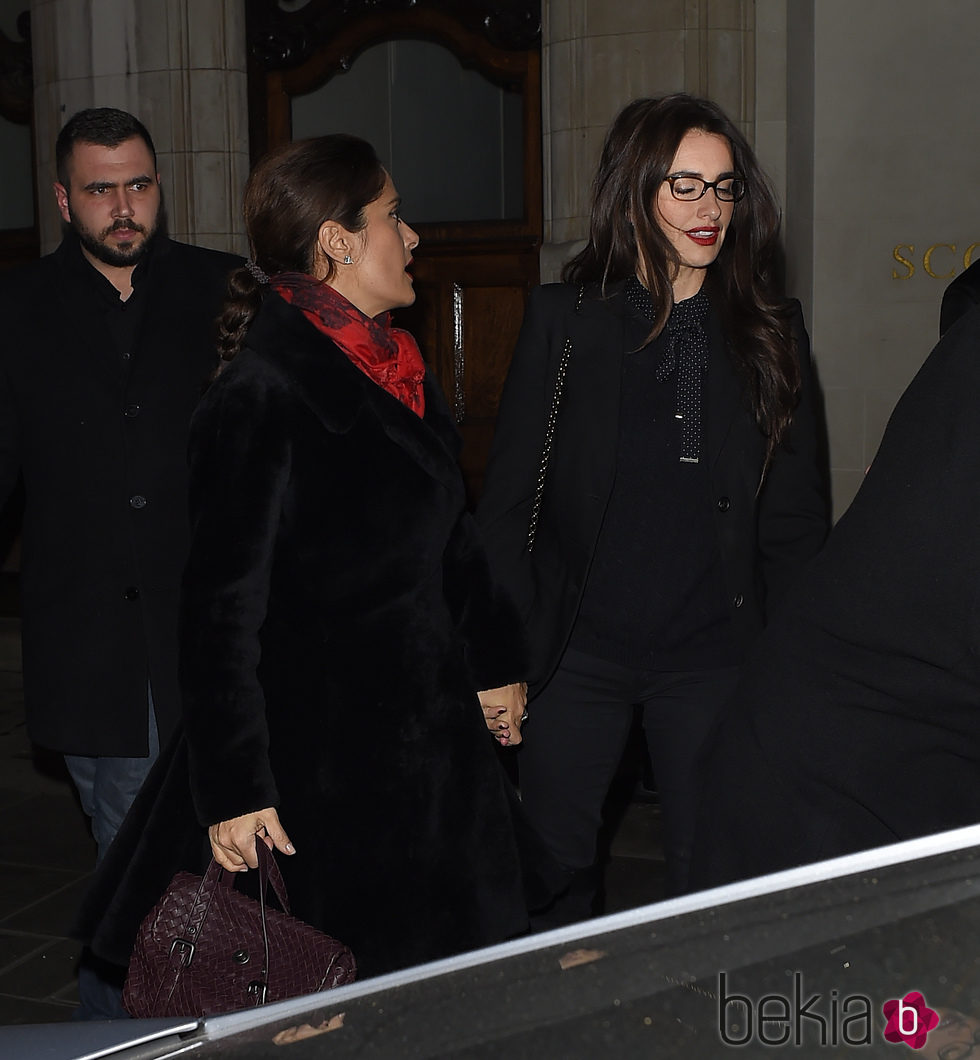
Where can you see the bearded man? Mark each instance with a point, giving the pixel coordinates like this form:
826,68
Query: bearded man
106,346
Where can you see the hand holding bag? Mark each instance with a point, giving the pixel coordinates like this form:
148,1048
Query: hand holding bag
206,949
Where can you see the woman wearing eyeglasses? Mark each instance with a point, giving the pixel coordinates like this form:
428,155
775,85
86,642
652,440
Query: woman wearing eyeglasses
654,480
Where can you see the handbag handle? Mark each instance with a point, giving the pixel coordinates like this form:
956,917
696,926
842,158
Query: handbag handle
268,872
182,948
549,433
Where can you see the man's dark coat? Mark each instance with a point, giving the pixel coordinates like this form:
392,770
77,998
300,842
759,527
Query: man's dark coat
102,446
857,719
338,620
764,536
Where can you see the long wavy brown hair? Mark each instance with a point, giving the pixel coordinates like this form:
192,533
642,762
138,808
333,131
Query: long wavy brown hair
288,196
625,239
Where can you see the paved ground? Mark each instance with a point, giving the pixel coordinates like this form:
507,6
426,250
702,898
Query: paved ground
46,855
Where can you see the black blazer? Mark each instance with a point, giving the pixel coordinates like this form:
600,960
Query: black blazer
764,536
103,455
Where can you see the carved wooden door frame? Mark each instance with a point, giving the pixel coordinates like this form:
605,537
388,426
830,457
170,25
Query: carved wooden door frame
276,75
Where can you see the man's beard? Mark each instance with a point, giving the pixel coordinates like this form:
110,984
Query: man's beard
118,256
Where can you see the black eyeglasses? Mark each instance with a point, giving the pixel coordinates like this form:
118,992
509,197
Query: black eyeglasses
690,189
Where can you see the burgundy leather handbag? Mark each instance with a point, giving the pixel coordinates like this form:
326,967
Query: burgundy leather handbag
205,948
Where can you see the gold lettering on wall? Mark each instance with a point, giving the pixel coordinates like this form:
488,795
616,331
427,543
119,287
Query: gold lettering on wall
927,261
904,261
903,249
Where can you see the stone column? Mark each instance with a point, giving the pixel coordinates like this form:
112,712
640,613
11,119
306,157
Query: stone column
179,66
597,56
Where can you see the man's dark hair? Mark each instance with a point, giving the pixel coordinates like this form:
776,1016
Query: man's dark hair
104,126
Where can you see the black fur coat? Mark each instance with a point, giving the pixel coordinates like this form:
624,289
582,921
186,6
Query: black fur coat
338,618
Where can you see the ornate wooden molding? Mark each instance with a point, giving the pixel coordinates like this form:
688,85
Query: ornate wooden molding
280,40
16,73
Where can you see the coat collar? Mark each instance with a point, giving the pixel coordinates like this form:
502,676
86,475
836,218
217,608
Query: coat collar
338,392
87,296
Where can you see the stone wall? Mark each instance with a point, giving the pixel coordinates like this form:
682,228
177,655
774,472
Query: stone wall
883,173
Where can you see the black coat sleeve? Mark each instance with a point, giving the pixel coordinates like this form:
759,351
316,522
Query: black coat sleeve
793,506
483,611
504,512
239,467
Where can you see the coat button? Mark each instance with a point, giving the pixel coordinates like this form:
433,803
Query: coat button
131,411
739,600
724,504
132,593
139,501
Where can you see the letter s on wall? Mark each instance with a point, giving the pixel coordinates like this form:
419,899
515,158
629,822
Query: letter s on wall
910,247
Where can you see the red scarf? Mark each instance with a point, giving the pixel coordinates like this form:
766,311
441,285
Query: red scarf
389,356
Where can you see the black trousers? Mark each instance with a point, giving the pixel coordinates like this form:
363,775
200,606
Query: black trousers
574,739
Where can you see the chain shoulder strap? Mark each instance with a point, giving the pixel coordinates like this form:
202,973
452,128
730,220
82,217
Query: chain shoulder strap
549,434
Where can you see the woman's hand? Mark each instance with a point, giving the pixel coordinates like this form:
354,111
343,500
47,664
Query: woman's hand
233,842
504,710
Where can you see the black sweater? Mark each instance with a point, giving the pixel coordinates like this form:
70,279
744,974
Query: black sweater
655,595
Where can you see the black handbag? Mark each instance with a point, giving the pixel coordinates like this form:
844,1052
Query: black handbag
206,948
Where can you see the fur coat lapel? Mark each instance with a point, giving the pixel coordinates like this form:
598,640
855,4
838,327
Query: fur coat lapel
338,392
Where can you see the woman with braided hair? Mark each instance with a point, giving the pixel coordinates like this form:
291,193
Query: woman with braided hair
346,658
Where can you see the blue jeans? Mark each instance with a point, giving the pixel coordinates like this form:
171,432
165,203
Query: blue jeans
107,787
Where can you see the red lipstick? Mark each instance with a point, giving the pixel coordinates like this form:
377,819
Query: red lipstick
705,236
